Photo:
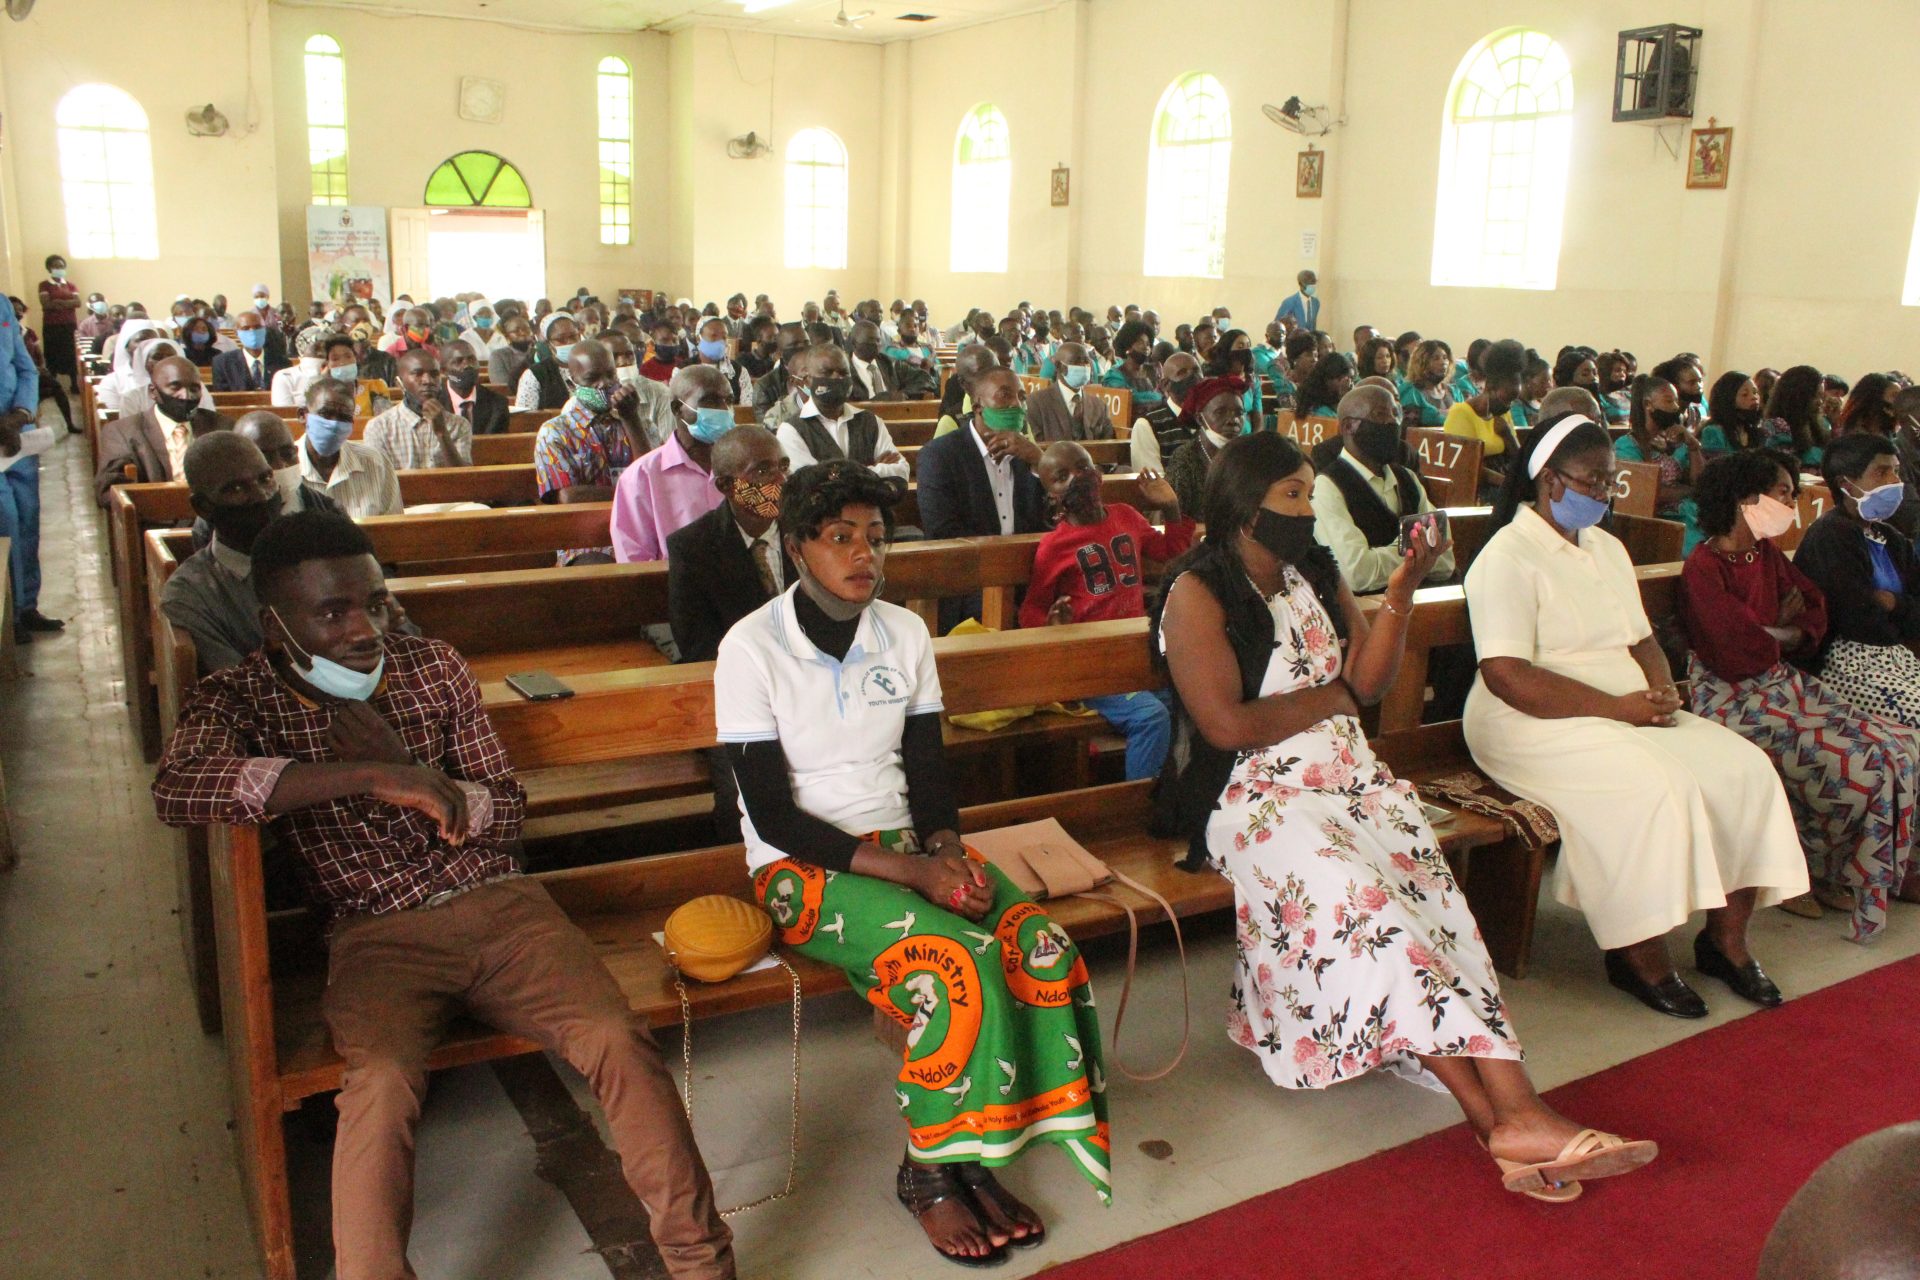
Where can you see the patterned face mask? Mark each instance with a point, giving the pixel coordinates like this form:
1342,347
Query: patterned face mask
593,399
762,500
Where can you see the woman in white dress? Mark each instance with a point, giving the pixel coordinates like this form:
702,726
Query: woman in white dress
1356,948
1661,813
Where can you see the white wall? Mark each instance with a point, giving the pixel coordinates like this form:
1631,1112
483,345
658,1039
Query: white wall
214,196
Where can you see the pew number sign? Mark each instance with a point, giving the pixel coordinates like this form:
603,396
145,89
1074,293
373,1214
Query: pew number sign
1442,455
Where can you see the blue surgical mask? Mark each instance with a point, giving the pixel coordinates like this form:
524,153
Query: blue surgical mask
1574,511
253,339
328,676
261,303
709,425
98,308
483,323
1076,375
561,353
712,350
326,435
1881,503
59,273
345,372
1310,290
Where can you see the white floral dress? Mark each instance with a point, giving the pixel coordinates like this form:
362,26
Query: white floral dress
1356,948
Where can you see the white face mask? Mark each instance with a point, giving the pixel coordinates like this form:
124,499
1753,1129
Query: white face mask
1769,517
1216,439
287,481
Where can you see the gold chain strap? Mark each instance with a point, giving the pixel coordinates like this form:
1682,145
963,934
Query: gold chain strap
686,1067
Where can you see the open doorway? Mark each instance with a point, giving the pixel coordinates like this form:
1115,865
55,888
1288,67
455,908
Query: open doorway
501,253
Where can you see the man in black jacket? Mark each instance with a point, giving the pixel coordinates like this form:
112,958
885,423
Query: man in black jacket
725,565
978,482
486,409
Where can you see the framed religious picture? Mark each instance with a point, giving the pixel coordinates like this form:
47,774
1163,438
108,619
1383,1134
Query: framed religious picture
1059,188
1709,153
1310,173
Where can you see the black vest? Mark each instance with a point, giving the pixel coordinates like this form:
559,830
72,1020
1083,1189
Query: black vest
1370,515
863,432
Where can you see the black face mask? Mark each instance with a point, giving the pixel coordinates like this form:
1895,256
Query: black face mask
1240,361
521,344
178,409
1289,538
1179,390
666,352
1664,419
1747,417
830,393
238,526
465,381
1377,442
868,351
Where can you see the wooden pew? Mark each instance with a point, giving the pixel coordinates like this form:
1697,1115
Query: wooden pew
279,1051
1636,488
1308,431
1812,504
1450,466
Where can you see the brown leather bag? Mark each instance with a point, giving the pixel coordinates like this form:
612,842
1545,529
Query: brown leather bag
1044,862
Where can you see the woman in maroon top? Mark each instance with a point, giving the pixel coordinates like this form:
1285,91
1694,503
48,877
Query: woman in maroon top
1851,777
59,313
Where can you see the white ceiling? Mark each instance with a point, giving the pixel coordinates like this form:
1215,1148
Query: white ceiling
785,17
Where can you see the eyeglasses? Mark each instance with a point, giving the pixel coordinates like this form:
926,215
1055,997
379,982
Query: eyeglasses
1604,487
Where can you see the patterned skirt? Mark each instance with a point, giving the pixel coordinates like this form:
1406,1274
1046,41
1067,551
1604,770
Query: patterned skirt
1356,948
1879,679
1851,778
1003,1042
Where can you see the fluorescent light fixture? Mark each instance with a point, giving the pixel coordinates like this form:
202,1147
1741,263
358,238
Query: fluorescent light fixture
761,6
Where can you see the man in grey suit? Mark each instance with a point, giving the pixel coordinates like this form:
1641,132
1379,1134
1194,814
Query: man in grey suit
1063,410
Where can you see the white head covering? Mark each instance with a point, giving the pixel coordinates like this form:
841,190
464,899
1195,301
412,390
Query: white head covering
129,332
1556,434
547,321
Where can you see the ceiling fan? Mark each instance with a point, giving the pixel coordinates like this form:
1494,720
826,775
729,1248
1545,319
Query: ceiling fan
851,21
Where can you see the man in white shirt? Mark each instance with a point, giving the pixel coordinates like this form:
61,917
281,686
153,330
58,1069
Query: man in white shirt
829,428
1361,494
874,376
422,431
291,383
360,479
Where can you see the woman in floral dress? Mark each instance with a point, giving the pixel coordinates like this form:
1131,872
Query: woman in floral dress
1356,948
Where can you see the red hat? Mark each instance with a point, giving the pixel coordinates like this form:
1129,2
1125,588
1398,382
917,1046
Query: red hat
1205,391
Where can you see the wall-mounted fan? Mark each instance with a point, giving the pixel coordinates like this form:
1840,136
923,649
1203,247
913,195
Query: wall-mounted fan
19,9
1295,117
206,122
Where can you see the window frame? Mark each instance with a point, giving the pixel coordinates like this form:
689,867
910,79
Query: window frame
321,56
810,226
982,197
477,200
615,122
1506,141
1186,224
102,135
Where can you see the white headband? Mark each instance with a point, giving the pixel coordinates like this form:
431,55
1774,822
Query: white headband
1556,435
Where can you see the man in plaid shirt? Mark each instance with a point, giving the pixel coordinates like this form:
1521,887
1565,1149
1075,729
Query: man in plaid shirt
371,756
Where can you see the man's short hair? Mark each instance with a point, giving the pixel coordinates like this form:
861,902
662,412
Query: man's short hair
293,540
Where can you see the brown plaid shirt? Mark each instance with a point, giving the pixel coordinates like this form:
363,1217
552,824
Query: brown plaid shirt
243,726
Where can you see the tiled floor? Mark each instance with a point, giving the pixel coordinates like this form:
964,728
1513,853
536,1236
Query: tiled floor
115,1159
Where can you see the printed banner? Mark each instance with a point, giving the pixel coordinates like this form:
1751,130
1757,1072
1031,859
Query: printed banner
347,255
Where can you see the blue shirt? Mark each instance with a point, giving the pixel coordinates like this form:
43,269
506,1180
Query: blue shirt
19,380
1886,575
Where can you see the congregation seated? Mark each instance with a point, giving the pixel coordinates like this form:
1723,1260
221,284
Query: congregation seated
1661,813
1214,410
291,383
1270,659
710,348
1662,432
370,756
1132,369
423,430
668,488
1319,392
772,400
1733,415
1162,427
847,809
916,371
357,477
508,360
872,369
546,384
828,427
1363,491
147,447
484,410
957,401
1750,615
1061,410
1427,396
1794,418
1865,568
581,453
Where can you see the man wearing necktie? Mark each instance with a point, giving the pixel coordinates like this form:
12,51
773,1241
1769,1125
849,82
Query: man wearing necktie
252,366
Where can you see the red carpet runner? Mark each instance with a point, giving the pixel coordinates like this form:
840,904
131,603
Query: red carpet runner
1743,1114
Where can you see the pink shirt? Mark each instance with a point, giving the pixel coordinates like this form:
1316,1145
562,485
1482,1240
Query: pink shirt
662,492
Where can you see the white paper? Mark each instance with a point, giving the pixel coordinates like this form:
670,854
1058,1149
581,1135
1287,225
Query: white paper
1309,245
33,442
764,962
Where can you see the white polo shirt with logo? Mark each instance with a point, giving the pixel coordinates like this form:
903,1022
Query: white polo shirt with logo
840,723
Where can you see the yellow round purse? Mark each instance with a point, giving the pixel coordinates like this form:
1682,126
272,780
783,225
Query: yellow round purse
714,937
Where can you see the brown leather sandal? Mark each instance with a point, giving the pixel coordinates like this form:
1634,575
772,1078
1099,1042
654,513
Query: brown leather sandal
920,1187
979,1180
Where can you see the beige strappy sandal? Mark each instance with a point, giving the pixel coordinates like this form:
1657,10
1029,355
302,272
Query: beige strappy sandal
1589,1154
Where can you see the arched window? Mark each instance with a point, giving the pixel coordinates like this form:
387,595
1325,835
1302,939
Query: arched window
616,151
327,119
1504,152
1187,160
106,174
982,186
477,179
816,200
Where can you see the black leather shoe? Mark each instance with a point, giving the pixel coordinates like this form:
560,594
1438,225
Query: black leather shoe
1671,995
34,620
1749,981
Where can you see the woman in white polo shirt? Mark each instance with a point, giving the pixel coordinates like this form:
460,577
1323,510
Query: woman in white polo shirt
829,705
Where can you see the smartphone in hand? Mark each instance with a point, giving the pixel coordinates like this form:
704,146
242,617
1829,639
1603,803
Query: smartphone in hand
1430,527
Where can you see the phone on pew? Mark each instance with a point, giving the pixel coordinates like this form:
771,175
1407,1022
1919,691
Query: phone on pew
538,686
1417,526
